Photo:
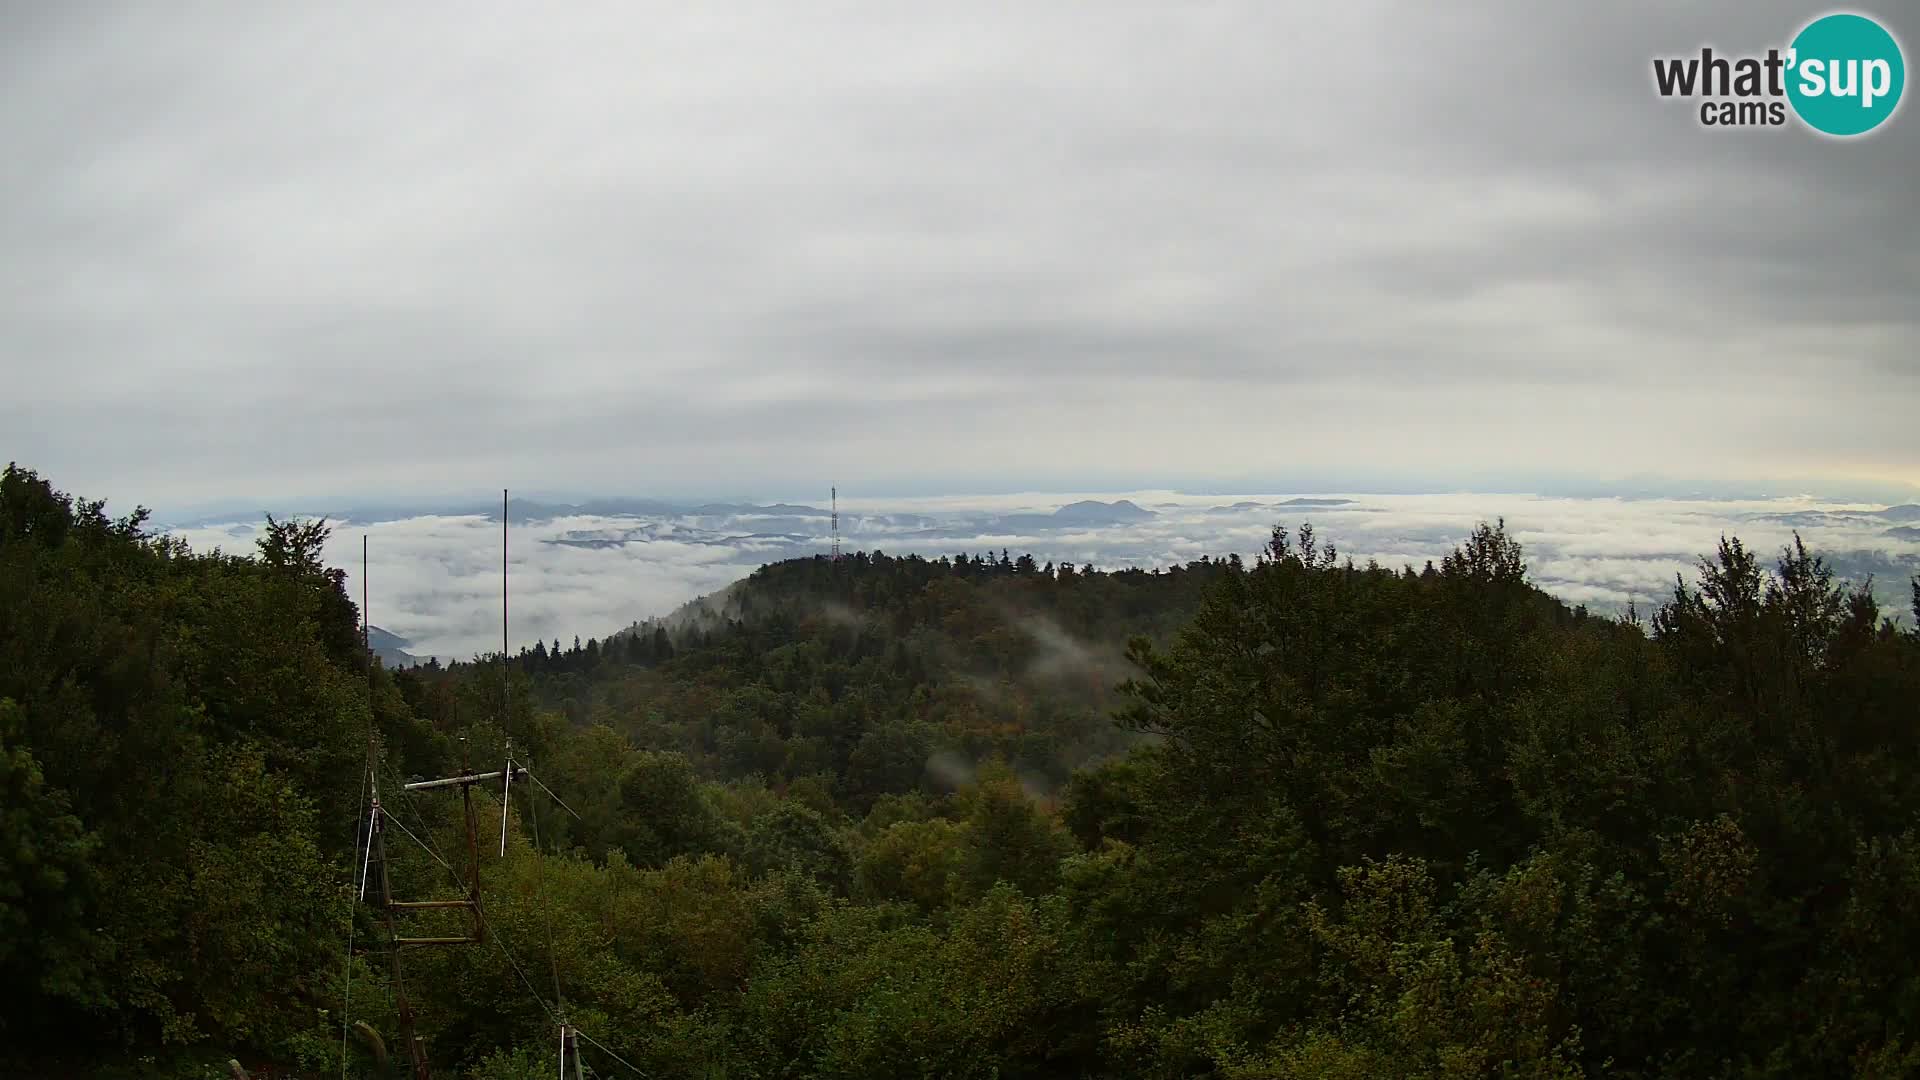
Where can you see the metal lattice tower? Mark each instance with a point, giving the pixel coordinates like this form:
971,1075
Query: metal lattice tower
836,524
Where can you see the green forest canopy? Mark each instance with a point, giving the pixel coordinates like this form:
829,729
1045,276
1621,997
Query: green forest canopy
889,817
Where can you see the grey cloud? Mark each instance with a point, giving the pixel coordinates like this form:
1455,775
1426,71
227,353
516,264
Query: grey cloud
673,249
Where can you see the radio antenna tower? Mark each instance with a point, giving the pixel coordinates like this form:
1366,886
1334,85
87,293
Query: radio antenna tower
836,524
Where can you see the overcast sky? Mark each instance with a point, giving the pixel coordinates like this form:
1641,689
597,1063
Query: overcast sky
360,249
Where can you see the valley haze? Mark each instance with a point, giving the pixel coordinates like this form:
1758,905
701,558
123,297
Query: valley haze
595,566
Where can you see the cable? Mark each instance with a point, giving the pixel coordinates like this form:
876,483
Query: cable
423,846
366,862
492,933
518,970
346,1004
551,795
500,942
540,890
603,1049
406,798
366,781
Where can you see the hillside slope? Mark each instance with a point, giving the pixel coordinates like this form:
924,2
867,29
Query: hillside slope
1340,821
789,672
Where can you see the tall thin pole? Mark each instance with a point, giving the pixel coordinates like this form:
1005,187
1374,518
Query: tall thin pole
366,657
503,573
473,843
503,608
506,799
836,523
366,639
416,1051
377,847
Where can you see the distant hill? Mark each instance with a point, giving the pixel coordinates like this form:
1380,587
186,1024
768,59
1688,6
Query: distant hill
1095,512
969,660
391,648
1245,506
1903,514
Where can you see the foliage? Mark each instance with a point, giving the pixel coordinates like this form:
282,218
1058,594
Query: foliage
872,818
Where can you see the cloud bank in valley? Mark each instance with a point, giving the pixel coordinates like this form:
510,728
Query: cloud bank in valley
434,579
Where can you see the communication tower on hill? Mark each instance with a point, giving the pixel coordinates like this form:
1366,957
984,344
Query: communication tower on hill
836,524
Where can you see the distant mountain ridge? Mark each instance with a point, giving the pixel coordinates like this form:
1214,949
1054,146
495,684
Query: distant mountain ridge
1095,512
1246,505
1085,511
801,526
529,510
1899,514
391,648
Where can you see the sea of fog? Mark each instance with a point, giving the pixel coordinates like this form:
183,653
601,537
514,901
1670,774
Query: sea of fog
434,578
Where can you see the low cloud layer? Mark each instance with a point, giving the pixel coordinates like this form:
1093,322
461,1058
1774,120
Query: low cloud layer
435,579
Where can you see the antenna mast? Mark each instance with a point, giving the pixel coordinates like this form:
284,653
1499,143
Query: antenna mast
503,608
836,523
366,630
376,854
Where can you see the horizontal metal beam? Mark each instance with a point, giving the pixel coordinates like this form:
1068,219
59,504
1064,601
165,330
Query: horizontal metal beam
404,904
435,940
455,781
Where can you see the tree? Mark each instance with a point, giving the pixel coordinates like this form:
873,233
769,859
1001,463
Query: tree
919,862
797,838
890,758
1370,821
48,950
1010,839
662,813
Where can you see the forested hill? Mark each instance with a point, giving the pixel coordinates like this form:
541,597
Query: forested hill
859,674
1352,822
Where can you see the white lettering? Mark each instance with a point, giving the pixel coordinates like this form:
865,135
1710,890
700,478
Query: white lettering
1813,77
1879,79
1852,83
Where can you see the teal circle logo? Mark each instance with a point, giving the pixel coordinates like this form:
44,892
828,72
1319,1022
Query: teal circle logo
1845,74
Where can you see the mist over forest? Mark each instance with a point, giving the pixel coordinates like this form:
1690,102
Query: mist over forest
1298,816
593,567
